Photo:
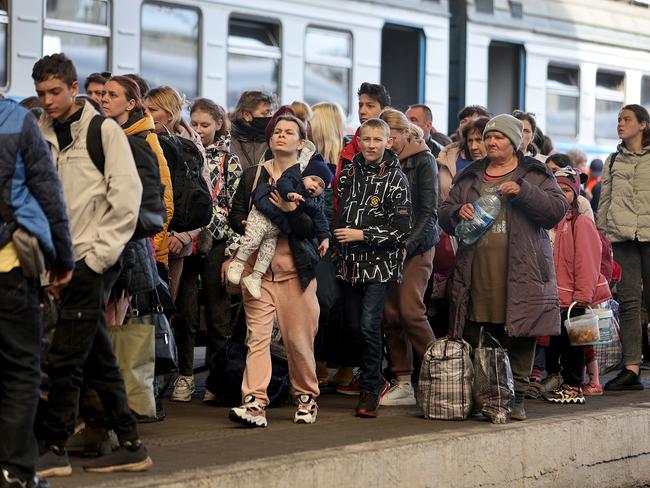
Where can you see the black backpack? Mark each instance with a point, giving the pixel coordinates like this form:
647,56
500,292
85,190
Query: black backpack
192,198
227,373
152,215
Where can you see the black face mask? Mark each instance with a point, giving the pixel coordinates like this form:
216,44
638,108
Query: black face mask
260,123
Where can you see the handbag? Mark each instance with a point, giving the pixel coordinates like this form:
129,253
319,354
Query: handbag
445,386
133,344
328,289
166,361
494,387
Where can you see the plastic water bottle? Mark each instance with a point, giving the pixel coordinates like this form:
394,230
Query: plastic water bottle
486,209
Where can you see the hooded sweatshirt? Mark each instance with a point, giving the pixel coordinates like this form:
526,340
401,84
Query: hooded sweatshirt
376,199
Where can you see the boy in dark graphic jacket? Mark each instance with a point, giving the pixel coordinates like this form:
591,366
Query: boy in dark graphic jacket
372,223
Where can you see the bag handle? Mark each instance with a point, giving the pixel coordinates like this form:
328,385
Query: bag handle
257,177
568,314
484,333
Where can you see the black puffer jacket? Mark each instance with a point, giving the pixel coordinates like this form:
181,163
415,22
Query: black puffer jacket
139,273
375,198
302,239
421,170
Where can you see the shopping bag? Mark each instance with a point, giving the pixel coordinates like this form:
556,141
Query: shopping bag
445,385
133,344
494,387
610,354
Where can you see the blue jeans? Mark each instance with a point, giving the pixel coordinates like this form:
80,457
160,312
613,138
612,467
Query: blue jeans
20,352
364,306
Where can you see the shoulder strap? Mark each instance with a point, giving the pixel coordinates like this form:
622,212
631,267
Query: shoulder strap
246,155
257,177
612,158
94,144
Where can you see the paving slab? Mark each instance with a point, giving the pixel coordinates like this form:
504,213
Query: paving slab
605,442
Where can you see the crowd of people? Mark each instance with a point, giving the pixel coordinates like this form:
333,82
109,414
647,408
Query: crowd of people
276,221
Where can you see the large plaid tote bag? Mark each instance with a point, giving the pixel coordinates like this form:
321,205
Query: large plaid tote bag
446,377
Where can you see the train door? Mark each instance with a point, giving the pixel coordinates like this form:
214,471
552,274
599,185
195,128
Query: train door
403,64
506,77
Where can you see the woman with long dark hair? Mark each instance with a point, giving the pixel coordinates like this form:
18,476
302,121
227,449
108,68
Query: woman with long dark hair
624,216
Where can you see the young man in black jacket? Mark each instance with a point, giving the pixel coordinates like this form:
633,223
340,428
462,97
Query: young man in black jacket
372,223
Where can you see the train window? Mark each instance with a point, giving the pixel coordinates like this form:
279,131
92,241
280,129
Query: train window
328,66
4,24
80,29
645,92
562,101
253,57
610,96
84,11
169,53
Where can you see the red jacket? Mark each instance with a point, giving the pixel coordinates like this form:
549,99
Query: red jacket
577,254
347,155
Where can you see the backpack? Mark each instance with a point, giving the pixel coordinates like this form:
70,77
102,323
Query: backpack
192,198
607,258
227,373
152,214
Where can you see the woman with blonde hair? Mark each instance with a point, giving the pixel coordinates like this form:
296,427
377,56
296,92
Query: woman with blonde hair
302,111
165,105
405,319
328,130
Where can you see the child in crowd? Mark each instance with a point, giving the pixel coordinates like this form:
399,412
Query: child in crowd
372,223
577,255
303,183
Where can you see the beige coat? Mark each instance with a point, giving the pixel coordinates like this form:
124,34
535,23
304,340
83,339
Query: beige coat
447,170
624,207
103,209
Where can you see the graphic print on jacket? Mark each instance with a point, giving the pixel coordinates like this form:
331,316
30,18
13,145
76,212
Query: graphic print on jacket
374,198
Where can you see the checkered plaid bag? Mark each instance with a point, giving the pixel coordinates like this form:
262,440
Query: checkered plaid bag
446,376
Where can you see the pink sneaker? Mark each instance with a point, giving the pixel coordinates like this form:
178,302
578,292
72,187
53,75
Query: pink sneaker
592,390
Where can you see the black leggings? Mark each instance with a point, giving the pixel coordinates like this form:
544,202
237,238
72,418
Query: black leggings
562,357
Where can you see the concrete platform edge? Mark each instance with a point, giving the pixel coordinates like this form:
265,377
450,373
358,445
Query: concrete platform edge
608,448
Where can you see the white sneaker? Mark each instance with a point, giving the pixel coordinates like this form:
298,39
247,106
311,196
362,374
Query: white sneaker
251,413
208,397
183,389
306,411
235,270
400,393
253,285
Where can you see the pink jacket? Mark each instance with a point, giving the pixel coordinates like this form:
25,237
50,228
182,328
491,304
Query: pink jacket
577,255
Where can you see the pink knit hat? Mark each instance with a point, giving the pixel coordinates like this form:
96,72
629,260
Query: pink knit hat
570,177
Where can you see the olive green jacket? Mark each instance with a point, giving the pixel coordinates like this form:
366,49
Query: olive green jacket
624,207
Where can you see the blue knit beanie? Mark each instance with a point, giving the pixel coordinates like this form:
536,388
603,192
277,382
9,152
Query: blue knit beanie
318,167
